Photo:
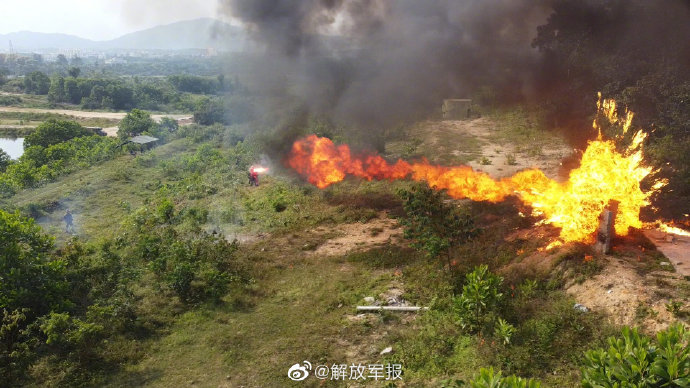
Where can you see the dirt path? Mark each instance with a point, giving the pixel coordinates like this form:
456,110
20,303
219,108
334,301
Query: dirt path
109,131
85,114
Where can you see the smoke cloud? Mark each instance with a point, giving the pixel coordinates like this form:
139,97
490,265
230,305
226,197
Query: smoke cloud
374,62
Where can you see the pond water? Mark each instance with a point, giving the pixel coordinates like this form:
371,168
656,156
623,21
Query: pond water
13,147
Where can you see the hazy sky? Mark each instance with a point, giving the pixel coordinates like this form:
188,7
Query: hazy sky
98,19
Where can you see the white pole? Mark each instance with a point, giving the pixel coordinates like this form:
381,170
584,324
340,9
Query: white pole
391,308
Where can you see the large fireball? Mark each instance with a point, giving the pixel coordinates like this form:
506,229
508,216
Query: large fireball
604,175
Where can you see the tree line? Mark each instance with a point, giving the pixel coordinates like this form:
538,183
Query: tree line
179,92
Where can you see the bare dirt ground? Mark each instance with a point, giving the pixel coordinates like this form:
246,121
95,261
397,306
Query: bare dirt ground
673,246
359,236
481,142
8,126
84,114
627,297
624,290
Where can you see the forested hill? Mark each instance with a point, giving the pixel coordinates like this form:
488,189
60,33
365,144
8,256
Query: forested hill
197,33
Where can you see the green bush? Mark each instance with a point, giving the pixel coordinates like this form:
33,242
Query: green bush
54,131
36,83
64,331
504,331
165,210
633,360
210,111
32,284
488,379
195,265
135,123
180,280
480,297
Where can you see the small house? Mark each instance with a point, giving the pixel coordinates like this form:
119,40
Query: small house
456,109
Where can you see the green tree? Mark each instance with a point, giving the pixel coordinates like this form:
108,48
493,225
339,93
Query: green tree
5,160
122,96
56,93
36,83
210,111
74,72
53,132
3,75
135,123
62,60
169,124
72,91
433,224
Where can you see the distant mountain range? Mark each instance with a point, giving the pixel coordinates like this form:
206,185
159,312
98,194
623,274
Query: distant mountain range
189,34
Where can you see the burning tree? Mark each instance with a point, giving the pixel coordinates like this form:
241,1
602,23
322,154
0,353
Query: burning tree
432,223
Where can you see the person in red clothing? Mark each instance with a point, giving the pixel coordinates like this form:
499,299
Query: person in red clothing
253,176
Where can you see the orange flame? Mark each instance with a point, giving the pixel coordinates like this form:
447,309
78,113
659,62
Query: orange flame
258,169
575,205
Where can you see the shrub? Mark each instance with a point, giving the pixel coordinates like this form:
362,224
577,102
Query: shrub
135,123
504,331
180,280
632,360
54,131
487,379
216,284
36,83
165,210
32,284
480,296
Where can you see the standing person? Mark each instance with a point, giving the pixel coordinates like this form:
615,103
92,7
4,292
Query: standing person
69,226
253,177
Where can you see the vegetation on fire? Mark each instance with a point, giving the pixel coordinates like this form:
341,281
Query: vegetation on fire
180,274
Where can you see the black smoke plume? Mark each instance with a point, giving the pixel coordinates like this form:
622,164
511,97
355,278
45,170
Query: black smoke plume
374,63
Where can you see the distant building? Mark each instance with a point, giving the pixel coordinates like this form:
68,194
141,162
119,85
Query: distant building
456,109
115,61
144,142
